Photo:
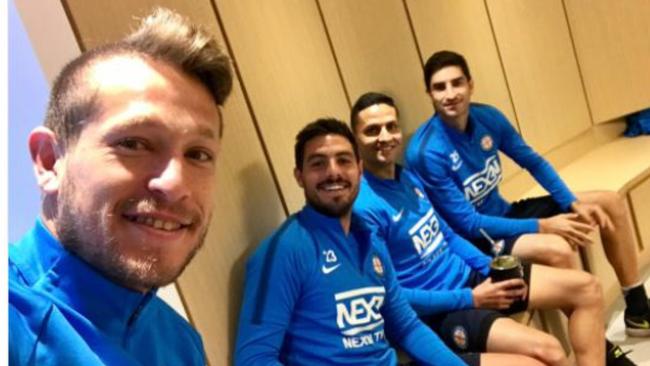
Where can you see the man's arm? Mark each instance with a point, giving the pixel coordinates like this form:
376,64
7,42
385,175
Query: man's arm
271,290
514,146
464,249
450,201
406,329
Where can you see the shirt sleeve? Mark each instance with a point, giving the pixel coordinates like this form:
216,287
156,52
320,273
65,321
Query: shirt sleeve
406,329
265,316
516,148
448,199
466,250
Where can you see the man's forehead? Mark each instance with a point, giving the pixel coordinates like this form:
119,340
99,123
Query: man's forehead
330,144
377,110
447,73
122,69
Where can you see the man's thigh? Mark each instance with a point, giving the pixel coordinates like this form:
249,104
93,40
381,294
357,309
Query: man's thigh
465,331
560,288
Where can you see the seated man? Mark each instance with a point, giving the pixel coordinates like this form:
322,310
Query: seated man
126,167
445,277
320,290
454,154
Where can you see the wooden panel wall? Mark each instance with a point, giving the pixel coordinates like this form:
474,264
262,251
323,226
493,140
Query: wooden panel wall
537,54
248,205
463,26
289,73
375,49
612,42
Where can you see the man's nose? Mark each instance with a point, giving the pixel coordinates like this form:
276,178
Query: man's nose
168,182
384,135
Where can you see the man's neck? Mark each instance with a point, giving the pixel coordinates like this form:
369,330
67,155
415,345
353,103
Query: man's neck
345,222
459,123
383,171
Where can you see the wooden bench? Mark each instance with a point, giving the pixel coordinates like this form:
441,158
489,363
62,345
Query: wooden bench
613,163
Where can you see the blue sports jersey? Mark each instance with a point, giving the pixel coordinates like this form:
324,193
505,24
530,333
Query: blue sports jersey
316,296
63,312
461,172
432,262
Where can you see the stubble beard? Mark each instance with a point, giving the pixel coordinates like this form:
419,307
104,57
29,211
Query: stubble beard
88,236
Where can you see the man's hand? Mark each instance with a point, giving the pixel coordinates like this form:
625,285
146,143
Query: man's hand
592,214
567,226
499,295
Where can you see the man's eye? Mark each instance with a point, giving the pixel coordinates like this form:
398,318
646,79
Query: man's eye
371,131
199,155
391,127
132,144
438,87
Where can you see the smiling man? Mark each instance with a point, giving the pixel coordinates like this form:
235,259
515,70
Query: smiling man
455,155
321,290
445,278
126,163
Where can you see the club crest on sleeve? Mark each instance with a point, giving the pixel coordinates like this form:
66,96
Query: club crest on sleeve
377,265
487,143
459,335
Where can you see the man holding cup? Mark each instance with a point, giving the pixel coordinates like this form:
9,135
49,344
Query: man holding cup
445,278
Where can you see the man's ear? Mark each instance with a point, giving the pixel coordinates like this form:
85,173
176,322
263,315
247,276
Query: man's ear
297,174
46,159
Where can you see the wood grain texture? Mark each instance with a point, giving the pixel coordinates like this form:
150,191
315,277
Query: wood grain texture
463,26
535,45
612,42
248,206
375,49
289,74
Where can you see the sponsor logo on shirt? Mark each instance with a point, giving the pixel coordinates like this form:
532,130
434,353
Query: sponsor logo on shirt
358,316
480,184
426,235
456,163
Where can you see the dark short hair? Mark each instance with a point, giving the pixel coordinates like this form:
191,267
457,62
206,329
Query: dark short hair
442,59
322,127
365,101
164,36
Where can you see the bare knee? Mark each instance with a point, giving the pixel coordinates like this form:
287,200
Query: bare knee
560,254
589,291
549,350
613,203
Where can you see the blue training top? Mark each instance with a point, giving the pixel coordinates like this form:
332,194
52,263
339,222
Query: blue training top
63,312
316,296
432,262
461,172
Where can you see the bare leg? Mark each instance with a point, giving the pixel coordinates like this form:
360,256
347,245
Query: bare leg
505,359
619,242
548,249
580,296
508,336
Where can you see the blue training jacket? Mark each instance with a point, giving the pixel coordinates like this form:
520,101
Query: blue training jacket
316,296
461,172
432,262
63,312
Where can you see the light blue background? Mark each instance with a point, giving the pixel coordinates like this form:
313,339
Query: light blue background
28,94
